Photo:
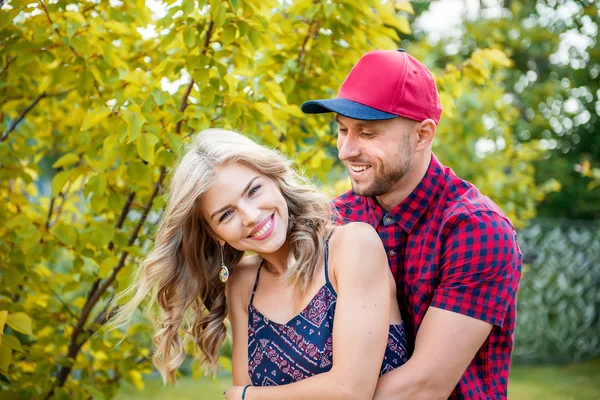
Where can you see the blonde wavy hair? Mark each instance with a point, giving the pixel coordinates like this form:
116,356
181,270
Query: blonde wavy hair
180,275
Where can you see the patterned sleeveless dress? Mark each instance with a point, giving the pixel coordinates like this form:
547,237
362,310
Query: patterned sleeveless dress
284,353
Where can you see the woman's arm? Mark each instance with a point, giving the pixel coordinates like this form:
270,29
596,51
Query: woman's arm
361,323
237,311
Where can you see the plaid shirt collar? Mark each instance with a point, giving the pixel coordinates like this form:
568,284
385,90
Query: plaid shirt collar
407,213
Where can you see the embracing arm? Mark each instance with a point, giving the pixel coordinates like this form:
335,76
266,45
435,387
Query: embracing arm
361,323
477,284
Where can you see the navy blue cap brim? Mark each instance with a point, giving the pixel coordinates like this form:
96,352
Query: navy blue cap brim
347,108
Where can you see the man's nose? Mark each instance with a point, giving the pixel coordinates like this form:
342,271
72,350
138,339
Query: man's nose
347,148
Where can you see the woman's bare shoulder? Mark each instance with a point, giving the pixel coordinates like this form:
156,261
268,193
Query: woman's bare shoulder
243,276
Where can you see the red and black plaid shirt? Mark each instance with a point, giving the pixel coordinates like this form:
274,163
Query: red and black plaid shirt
452,248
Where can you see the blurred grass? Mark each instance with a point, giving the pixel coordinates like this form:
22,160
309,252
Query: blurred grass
548,382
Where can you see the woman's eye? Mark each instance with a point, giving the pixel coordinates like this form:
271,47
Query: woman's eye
225,215
254,190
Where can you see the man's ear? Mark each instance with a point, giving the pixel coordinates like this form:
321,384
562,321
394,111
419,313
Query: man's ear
425,133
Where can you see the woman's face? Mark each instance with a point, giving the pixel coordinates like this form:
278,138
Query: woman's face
246,209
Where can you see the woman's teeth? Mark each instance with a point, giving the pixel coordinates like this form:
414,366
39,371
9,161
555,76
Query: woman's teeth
264,228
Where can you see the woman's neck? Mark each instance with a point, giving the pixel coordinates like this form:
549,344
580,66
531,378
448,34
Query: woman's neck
276,262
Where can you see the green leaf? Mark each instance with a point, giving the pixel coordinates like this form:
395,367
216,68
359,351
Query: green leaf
145,146
5,357
135,120
219,14
189,37
67,159
228,35
94,117
175,142
106,266
66,234
58,182
20,322
255,39
12,342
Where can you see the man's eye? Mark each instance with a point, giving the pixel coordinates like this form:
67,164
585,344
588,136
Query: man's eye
342,131
254,190
368,134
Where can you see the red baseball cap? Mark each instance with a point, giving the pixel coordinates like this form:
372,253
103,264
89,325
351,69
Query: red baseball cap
384,84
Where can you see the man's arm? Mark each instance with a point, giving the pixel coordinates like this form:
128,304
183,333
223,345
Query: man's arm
446,344
479,274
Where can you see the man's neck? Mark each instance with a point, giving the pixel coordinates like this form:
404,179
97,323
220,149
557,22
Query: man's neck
402,189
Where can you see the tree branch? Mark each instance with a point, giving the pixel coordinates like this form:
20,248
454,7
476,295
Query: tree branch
65,306
62,203
188,90
50,208
10,61
16,122
123,216
94,296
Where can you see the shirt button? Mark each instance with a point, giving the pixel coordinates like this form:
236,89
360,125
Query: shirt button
266,320
392,253
388,219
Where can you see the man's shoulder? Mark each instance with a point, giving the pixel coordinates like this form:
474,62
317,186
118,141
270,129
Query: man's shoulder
347,204
461,200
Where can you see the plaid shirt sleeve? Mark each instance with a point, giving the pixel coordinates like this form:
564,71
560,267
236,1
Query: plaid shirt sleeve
479,267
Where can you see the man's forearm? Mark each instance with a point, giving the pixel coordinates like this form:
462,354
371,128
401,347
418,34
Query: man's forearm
410,381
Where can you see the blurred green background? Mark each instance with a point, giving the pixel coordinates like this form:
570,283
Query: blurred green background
98,97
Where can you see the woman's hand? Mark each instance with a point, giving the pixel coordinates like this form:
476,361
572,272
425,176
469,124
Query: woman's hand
234,393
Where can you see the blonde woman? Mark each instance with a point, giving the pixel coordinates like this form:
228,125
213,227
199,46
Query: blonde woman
312,309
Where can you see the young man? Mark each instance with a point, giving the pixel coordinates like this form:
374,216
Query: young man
452,250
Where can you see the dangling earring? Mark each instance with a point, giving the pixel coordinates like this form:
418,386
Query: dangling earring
224,272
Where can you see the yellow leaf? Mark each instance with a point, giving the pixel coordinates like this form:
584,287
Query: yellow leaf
498,58
20,322
135,120
67,159
117,27
447,105
79,302
12,342
75,16
405,6
59,180
27,367
397,21
94,117
225,362
100,356
265,109
3,315
136,77
136,379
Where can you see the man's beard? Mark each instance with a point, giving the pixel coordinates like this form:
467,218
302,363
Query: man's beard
386,178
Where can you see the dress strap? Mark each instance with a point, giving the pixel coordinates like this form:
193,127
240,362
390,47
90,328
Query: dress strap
327,256
256,281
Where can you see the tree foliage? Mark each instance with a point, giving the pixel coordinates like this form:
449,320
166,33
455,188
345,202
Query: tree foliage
97,98
553,85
